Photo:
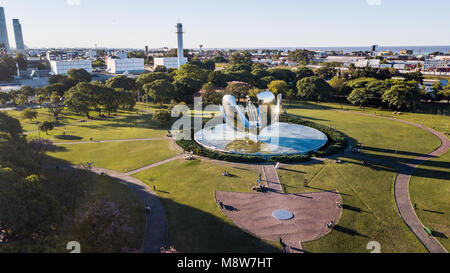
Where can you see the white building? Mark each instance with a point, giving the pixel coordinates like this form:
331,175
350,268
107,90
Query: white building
169,62
373,63
61,67
119,66
442,63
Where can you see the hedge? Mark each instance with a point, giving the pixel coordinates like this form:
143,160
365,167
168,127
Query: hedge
336,143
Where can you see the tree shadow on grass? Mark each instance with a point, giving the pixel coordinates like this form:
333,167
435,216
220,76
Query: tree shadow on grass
348,231
438,234
355,209
68,137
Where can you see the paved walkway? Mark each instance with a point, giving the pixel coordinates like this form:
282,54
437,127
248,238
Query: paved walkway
113,140
156,222
401,188
252,212
272,180
155,164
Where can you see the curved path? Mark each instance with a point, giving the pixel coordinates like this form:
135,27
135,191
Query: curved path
155,235
401,188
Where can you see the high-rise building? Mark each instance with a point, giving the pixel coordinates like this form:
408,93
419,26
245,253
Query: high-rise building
3,31
180,44
18,34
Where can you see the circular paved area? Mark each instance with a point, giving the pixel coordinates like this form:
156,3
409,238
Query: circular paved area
252,212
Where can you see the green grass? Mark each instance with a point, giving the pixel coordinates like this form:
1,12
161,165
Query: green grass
430,189
107,129
118,156
385,139
66,117
435,115
195,222
95,188
369,212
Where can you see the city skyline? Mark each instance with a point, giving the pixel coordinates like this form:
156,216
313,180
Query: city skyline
250,24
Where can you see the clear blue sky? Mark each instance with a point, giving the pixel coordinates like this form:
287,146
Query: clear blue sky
230,23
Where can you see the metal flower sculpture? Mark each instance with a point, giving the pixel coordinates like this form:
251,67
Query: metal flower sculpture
252,118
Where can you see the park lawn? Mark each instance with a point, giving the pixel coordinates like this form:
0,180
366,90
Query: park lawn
127,127
195,222
369,212
385,139
435,116
94,188
118,156
66,117
429,188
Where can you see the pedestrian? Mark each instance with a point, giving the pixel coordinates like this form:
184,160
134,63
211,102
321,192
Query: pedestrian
154,188
147,209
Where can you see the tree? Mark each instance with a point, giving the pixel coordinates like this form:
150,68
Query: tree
403,95
301,56
121,81
290,94
209,65
210,95
160,68
303,72
29,114
359,96
238,89
219,78
338,85
79,75
283,74
7,68
46,126
98,63
326,72
445,94
278,87
186,87
80,98
21,60
4,98
238,58
161,117
151,77
314,88
160,90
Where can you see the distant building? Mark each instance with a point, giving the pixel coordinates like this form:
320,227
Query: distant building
169,62
438,64
18,35
130,65
406,52
61,67
56,56
4,42
374,63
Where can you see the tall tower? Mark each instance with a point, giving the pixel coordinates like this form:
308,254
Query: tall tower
180,44
3,31
18,35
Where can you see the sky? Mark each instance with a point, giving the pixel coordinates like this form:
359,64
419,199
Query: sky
230,23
